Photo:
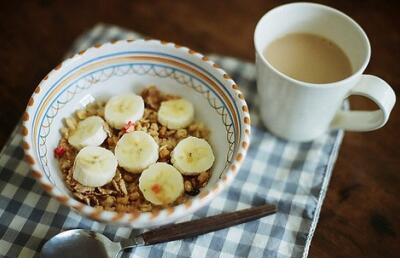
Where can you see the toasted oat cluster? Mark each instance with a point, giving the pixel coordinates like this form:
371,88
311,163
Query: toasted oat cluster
127,191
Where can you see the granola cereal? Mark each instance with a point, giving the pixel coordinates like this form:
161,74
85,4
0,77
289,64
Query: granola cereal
122,194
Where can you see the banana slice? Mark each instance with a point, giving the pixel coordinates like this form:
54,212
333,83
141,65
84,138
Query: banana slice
192,156
161,183
175,114
89,132
121,109
135,151
94,166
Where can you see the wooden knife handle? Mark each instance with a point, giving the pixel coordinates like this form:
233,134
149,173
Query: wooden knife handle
205,225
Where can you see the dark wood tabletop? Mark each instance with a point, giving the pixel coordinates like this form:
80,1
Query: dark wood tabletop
361,213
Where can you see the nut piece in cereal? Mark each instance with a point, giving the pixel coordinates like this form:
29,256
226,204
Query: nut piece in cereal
192,156
136,151
94,166
89,132
176,113
122,109
161,183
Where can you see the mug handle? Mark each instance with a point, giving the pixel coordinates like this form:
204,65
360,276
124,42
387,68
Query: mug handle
376,90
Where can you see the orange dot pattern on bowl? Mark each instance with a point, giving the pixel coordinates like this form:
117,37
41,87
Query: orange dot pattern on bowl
78,207
203,193
62,198
24,130
25,116
25,145
47,187
30,102
36,174
95,215
155,213
134,215
117,216
29,159
188,203
170,210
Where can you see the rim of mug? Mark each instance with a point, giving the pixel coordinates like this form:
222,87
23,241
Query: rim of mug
327,8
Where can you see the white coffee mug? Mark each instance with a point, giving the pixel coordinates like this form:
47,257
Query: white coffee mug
302,111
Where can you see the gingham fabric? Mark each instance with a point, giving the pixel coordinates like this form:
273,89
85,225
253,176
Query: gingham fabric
294,176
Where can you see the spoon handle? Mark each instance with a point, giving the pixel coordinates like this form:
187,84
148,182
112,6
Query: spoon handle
205,225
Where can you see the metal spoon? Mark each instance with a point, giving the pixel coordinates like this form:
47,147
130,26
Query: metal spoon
85,243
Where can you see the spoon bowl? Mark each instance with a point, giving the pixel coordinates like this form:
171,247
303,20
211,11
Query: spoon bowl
80,243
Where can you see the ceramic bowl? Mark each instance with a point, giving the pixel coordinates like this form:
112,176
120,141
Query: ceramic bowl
117,67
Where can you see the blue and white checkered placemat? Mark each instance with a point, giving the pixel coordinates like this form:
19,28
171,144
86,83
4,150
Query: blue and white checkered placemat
295,176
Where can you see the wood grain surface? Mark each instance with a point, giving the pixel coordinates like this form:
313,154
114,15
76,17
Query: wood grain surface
361,213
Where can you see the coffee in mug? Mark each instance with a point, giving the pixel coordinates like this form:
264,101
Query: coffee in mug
308,58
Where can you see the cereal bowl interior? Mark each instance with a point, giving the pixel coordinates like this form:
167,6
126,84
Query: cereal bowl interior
131,66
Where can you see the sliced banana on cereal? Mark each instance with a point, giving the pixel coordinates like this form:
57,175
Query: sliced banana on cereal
176,113
89,132
192,156
161,183
122,109
94,166
136,151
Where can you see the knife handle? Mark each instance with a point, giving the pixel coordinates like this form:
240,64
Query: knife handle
206,225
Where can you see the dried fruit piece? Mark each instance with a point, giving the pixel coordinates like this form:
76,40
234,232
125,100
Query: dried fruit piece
59,152
129,127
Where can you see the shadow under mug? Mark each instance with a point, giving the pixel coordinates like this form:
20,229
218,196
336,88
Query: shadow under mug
301,111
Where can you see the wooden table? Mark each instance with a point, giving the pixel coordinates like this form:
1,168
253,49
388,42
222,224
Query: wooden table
361,213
